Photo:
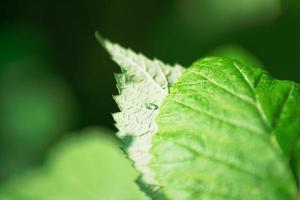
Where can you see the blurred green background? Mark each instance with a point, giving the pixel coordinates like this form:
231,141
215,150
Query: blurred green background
56,79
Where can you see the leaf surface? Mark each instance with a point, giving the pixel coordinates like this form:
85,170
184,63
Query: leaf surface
142,84
227,131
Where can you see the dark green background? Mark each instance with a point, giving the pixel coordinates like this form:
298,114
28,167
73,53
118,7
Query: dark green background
55,78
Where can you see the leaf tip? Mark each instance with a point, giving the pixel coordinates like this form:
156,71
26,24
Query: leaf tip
100,38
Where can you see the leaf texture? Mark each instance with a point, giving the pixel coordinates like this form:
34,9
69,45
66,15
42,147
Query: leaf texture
227,131
142,84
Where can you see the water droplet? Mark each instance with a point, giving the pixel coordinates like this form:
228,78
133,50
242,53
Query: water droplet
151,106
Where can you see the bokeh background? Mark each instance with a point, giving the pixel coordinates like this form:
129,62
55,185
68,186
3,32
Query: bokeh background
56,79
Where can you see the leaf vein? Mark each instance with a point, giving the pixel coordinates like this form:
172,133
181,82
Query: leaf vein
245,99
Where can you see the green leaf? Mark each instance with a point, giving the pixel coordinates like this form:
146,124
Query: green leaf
90,166
227,131
142,85
237,53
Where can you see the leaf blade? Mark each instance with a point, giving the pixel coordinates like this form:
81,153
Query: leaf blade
142,85
224,118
